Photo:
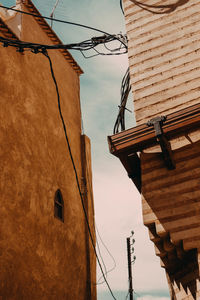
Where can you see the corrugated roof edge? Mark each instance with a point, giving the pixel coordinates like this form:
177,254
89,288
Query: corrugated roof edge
52,35
7,32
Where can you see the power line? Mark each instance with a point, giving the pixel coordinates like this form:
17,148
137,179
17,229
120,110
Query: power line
54,19
125,90
121,6
134,292
82,46
108,253
52,12
61,21
95,226
101,258
127,295
75,172
97,231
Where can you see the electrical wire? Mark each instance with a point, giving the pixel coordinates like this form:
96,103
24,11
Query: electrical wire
138,295
130,291
125,90
61,21
53,19
110,270
98,247
52,12
127,295
121,6
60,9
98,233
75,171
91,196
106,54
82,46
56,20
95,227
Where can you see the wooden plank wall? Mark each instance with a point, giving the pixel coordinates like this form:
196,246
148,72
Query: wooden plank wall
171,199
164,60
164,56
171,211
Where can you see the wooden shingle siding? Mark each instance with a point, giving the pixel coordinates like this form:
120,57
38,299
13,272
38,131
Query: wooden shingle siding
164,60
164,57
173,201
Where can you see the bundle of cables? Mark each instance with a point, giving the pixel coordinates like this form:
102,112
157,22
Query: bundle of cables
125,90
82,46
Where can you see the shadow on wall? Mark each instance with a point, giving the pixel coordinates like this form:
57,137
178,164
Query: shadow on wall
188,265
160,9
171,210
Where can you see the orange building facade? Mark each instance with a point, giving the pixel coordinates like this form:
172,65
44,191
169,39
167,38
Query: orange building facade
161,154
45,249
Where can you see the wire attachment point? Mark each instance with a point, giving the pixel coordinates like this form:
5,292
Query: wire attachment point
20,49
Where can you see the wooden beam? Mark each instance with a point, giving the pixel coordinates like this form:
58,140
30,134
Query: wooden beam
141,137
131,163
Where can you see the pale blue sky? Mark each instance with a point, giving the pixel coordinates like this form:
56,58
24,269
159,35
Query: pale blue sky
117,202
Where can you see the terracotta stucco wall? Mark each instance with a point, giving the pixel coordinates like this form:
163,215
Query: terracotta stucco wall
40,256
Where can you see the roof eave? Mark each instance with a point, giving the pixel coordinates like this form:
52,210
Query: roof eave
52,35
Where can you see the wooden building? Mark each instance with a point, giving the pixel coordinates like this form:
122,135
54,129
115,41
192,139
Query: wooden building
45,248
162,153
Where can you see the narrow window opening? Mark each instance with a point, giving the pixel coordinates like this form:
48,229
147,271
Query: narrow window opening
59,206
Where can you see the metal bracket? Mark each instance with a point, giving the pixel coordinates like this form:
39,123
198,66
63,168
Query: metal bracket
165,145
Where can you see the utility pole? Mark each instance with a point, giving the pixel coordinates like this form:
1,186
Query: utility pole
130,261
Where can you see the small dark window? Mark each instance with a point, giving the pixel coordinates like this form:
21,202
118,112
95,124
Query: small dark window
59,206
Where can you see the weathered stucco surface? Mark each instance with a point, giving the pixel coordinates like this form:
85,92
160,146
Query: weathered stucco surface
40,256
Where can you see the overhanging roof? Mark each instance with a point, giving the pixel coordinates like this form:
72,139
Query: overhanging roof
141,137
126,144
